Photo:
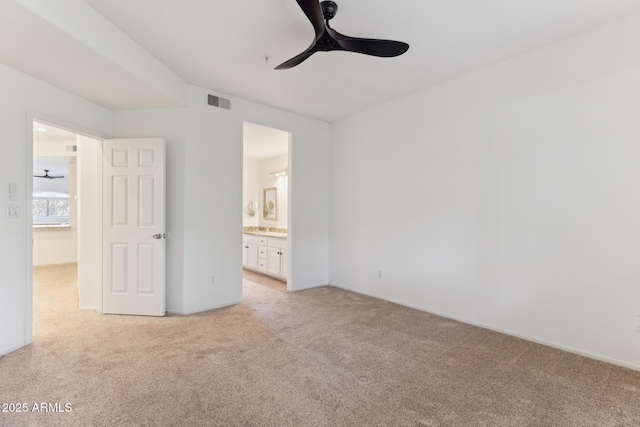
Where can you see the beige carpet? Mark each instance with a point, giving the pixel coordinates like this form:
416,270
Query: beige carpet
323,357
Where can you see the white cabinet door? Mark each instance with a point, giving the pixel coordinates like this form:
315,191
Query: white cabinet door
134,227
252,255
273,261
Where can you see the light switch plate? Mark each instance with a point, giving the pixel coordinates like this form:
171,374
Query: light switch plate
13,191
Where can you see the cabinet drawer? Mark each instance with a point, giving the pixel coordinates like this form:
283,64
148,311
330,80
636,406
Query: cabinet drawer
249,238
277,243
262,240
262,264
262,252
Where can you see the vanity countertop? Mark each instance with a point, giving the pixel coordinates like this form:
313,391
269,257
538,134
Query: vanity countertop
276,232
267,234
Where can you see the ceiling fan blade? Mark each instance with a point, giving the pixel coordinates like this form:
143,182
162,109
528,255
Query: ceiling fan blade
296,60
47,176
374,47
312,9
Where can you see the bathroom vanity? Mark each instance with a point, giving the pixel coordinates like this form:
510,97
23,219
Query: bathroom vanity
266,253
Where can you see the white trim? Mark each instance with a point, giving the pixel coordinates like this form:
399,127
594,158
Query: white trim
306,288
290,233
201,310
100,201
48,120
502,331
12,349
28,225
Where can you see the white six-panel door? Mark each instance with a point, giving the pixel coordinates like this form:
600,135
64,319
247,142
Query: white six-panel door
134,227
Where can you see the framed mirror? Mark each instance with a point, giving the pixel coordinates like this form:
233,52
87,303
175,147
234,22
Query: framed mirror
270,203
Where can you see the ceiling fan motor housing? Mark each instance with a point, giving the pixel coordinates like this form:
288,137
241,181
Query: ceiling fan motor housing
329,9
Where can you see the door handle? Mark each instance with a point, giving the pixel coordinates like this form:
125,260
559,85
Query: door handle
159,236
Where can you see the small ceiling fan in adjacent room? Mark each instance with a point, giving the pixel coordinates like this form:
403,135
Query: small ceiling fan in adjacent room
327,39
47,176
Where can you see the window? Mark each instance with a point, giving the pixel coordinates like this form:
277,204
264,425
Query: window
50,209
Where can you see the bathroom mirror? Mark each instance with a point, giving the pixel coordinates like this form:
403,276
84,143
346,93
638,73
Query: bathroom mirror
270,203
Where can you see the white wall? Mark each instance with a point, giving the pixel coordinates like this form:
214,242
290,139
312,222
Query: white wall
251,191
22,94
506,198
212,234
205,198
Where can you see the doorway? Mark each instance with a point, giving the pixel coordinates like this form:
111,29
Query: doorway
266,200
63,198
54,196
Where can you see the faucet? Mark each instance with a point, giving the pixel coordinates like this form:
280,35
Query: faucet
266,226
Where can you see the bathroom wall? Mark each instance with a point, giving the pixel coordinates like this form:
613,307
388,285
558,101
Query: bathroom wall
256,177
251,191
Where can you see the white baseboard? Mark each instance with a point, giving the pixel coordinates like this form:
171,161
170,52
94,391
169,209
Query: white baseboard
200,310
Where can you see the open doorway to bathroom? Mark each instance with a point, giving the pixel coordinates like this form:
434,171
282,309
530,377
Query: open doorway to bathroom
265,199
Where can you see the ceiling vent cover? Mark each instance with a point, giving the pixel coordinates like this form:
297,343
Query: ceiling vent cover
216,101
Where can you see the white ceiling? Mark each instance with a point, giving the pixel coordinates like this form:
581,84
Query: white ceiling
125,54
43,133
35,46
260,142
220,45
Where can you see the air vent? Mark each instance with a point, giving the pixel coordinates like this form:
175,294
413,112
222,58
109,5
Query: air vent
72,148
218,102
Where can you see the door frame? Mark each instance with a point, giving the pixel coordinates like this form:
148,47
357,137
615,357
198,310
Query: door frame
28,201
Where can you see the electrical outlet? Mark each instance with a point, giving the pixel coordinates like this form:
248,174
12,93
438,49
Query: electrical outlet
379,274
212,281
13,212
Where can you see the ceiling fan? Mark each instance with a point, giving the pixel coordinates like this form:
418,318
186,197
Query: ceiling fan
47,176
327,39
